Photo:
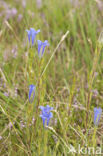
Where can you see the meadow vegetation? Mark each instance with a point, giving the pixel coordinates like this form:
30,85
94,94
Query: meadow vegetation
68,77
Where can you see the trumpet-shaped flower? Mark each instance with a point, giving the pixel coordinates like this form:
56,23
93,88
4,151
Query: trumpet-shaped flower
46,114
41,47
31,93
32,34
97,115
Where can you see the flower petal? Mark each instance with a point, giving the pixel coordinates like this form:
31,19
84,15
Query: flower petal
39,46
44,45
50,115
48,121
37,31
33,34
41,107
97,115
31,93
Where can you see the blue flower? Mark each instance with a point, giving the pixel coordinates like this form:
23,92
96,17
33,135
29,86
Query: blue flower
41,47
97,115
32,34
31,93
46,114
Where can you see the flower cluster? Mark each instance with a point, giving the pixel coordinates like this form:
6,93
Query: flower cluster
41,45
32,34
46,114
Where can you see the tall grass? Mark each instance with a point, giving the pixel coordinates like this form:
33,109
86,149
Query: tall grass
68,78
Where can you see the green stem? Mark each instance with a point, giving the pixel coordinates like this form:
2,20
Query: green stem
91,79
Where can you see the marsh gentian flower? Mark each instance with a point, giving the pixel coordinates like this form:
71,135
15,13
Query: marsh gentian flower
41,47
46,114
97,115
32,34
31,93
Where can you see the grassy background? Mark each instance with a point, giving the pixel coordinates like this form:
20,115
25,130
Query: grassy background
66,85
